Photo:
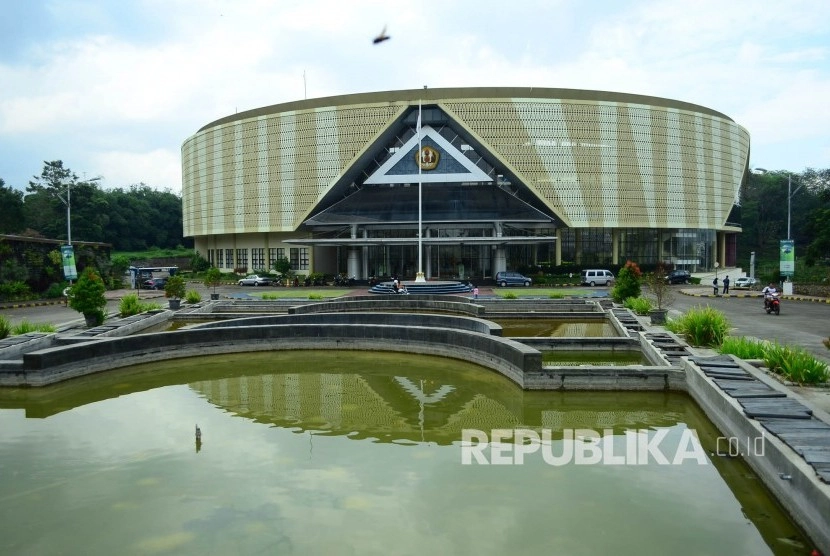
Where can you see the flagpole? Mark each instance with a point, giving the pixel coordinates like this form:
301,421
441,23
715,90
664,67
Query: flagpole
420,276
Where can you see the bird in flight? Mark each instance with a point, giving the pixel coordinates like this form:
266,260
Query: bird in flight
382,37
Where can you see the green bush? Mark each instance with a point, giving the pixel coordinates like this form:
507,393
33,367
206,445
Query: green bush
640,305
15,291
175,287
701,326
24,327
5,327
795,364
556,295
192,296
55,291
509,295
87,295
132,305
744,348
627,283
315,296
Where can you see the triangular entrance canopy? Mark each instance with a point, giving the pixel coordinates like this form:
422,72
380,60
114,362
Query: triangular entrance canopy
442,163
462,182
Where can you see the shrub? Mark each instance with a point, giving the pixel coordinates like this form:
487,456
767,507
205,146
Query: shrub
659,287
192,296
742,347
795,364
556,295
701,326
175,287
509,295
627,283
15,291
826,343
87,295
5,327
213,277
315,296
24,327
55,291
640,305
132,305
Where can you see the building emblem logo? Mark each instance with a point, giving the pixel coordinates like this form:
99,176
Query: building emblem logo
427,158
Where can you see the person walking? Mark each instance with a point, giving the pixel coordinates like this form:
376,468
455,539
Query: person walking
726,285
715,285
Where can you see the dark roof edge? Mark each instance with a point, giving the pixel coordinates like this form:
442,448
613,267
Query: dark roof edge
433,95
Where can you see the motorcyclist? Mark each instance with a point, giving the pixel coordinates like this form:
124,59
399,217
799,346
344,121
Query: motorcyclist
769,292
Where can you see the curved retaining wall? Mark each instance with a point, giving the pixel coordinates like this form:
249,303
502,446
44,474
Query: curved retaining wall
471,324
411,303
51,365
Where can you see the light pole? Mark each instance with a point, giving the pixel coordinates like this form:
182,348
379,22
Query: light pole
790,194
68,203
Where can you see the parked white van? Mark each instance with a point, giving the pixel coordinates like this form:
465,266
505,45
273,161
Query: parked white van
594,277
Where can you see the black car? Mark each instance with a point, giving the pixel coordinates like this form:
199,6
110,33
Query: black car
154,284
679,277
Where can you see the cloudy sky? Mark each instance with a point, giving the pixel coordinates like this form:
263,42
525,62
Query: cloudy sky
113,87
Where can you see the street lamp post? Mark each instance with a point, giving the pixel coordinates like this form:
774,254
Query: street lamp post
68,203
790,194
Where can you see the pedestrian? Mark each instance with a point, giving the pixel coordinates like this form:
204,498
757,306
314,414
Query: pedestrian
715,285
726,285
475,292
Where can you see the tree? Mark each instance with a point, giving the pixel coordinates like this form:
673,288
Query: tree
628,283
11,209
659,287
45,205
213,277
87,296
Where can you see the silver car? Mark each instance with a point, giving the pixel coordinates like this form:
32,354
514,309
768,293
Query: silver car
255,280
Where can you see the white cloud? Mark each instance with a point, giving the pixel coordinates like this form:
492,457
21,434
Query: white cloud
160,169
135,80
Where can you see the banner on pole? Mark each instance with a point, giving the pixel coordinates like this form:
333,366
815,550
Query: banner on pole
787,265
68,256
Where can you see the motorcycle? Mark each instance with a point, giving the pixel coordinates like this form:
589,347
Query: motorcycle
772,304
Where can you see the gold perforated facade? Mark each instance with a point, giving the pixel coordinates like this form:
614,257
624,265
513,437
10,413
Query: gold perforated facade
600,165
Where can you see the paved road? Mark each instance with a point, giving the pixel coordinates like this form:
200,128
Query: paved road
801,323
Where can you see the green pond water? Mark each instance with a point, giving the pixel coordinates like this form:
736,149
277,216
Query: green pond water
356,453
555,328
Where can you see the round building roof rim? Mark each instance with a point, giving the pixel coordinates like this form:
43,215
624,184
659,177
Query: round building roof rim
431,96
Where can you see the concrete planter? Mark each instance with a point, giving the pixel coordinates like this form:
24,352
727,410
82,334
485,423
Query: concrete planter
214,296
174,304
91,320
658,316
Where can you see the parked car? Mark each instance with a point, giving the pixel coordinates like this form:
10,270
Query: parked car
679,277
505,279
154,284
596,277
255,280
745,282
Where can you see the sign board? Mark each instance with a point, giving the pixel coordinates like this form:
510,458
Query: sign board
787,265
68,257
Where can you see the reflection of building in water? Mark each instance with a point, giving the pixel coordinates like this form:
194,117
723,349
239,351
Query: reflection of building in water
313,400
394,407
598,329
